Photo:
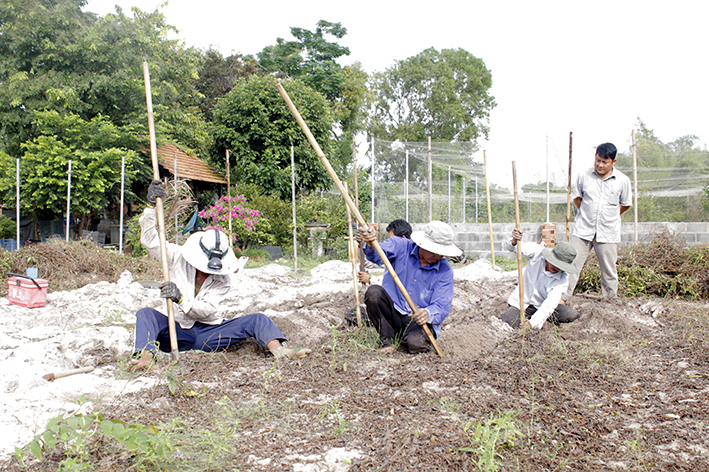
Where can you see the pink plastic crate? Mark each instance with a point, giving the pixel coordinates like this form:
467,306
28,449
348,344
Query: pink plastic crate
23,292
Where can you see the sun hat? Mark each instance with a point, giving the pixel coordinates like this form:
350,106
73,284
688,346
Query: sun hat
561,256
437,237
209,252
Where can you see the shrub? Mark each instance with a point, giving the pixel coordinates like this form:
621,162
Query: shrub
8,228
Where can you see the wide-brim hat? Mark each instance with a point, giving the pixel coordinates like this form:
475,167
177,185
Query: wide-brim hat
561,256
201,248
437,237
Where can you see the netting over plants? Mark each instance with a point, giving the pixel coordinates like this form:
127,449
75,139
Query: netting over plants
406,176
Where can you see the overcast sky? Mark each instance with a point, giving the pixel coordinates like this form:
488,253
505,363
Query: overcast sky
593,68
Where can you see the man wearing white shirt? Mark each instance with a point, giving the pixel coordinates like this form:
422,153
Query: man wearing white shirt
601,194
545,278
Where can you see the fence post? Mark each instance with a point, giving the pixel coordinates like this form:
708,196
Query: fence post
372,179
406,185
430,181
68,203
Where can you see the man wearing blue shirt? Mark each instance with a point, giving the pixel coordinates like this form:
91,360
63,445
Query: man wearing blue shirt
420,264
601,194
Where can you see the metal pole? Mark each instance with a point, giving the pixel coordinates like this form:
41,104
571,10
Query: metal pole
406,185
120,218
228,192
463,200
292,186
68,203
476,198
17,203
449,194
547,163
489,212
635,176
372,180
177,240
430,181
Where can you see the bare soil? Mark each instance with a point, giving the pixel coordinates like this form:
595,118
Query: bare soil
626,387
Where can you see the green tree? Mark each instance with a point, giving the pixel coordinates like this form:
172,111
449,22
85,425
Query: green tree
54,56
217,76
255,124
95,149
443,95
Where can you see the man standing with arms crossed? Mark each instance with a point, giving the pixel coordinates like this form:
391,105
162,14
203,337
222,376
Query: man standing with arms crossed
601,194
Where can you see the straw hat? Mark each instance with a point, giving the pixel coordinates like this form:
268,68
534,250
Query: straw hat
562,256
437,237
209,252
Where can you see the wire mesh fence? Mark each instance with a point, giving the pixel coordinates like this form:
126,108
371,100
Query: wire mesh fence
422,181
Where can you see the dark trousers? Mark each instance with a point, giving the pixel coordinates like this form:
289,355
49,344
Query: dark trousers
152,331
562,314
390,324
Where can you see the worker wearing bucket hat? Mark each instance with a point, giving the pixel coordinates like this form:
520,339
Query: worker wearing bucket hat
427,276
200,279
545,278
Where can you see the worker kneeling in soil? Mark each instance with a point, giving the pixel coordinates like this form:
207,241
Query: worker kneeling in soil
545,279
200,279
427,277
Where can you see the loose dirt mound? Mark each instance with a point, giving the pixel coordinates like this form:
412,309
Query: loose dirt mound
625,387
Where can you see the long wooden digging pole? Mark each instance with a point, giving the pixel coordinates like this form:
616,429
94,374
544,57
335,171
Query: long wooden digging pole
355,211
522,316
351,245
161,215
568,190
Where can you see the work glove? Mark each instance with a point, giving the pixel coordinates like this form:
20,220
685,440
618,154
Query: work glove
155,191
170,290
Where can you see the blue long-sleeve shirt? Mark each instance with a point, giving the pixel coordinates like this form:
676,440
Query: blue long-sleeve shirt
430,286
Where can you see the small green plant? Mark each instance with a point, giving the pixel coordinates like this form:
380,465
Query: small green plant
635,447
76,438
339,424
489,436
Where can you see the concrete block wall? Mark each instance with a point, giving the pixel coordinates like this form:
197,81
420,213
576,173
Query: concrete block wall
474,238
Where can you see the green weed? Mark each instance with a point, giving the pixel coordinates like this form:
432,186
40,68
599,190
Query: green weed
488,437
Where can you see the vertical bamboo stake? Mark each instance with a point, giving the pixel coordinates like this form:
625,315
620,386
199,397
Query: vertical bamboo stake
355,212
635,177
522,317
292,188
360,251
430,181
568,192
120,223
177,241
160,214
351,250
489,212
17,201
68,203
228,193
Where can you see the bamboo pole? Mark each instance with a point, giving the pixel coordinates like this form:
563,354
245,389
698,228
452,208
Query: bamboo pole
68,203
522,317
568,192
352,252
355,211
161,215
228,192
635,177
295,226
489,211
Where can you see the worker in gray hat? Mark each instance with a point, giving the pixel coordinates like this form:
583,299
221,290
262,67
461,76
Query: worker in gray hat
200,279
427,276
545,279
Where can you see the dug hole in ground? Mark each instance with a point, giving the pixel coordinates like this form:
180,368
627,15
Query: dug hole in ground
617,375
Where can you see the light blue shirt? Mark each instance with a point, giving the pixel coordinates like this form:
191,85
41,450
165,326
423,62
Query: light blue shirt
599,213
430,286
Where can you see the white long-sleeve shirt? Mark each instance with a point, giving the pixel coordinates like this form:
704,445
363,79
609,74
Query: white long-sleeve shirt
542,289
203,307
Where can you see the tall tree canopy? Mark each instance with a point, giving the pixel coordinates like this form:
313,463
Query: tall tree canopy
254,123
444,95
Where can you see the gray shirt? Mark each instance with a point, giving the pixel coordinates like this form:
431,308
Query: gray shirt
601,199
